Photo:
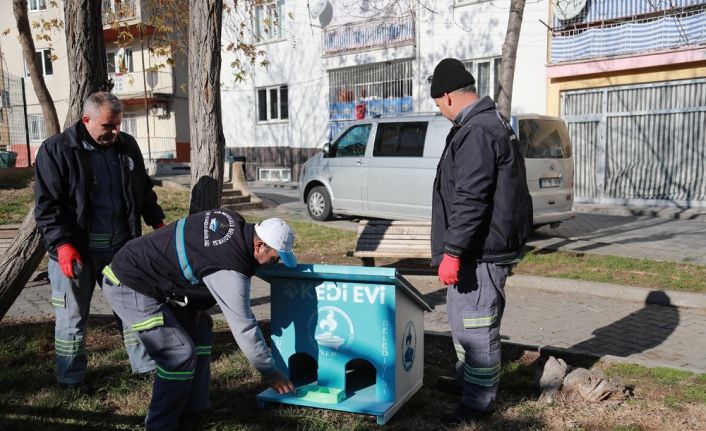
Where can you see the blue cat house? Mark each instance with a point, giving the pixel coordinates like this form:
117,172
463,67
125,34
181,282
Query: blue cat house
350,338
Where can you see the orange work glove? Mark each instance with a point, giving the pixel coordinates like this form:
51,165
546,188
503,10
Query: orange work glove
448,270
158,225
67,255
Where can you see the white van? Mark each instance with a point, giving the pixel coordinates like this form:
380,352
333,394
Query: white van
385,168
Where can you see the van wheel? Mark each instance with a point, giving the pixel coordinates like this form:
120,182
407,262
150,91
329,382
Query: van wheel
318,204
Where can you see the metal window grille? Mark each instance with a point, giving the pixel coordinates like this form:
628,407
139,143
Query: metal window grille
369,91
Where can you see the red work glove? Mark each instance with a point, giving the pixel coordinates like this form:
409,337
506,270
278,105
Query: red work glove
448,270
158,225
67,255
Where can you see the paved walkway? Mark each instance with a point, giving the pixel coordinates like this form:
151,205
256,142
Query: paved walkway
557,318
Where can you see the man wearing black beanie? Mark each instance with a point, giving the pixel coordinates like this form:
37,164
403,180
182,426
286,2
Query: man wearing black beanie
481,216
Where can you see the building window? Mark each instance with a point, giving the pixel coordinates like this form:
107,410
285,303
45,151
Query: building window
37,131
44,57
272,103
487,75
35,5
268,20
120,63
129,124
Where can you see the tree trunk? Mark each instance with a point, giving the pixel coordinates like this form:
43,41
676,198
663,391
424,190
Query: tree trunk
51,120
207,140
19,262
509,55
87,72
85,51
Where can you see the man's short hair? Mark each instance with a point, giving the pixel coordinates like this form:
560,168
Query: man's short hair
467,89
99,99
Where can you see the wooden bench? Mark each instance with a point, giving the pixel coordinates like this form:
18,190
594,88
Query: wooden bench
397,239
7,235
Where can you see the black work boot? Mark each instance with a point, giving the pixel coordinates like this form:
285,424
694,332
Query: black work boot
193,421
449,385
462,413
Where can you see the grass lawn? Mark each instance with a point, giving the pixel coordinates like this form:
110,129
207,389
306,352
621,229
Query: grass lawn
320,244
30,400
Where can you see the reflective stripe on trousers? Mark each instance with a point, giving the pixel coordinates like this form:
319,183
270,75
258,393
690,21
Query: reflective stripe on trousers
474,311
180,344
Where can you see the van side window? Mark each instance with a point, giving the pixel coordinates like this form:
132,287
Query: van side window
544,139
353,142
400,139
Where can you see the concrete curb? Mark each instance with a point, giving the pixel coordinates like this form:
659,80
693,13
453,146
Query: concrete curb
606,290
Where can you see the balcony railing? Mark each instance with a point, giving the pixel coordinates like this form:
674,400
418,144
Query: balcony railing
597,11
378,33
118,10
632,37
132,85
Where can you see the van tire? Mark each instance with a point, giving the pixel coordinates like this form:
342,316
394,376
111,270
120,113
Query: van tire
318,204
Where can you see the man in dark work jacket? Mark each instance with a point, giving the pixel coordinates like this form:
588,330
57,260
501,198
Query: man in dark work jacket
160,285
91,190
481,216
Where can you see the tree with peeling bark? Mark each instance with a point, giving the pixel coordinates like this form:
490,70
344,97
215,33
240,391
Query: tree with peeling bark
509,55
87,69
207,139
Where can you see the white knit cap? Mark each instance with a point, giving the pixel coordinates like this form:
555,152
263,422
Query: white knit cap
277,234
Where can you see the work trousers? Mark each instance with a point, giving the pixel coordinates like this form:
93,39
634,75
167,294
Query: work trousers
474,310
179,340
71,299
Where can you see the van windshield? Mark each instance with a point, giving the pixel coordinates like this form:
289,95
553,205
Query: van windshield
544,139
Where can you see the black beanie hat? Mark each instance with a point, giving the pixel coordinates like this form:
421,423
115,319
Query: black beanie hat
449,75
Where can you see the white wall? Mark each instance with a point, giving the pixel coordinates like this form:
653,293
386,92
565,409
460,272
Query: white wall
465,31
13,61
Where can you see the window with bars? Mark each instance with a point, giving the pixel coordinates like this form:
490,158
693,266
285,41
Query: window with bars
44,57
487,75
37,130
268,20
35,5
272,103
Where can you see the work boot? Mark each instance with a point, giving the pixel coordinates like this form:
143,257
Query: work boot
194,421
449,385
462,413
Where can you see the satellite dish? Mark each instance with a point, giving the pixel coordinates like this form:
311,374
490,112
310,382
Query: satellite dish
568,9
317,7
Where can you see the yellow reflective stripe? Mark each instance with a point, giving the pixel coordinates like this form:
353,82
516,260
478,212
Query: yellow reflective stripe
108,272
69,347
69,343
174,375
149,323
203,350
490,381
482,371
58,302
479,322
460,352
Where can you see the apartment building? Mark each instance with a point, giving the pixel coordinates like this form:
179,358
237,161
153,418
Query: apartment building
153,92
333,61
629,77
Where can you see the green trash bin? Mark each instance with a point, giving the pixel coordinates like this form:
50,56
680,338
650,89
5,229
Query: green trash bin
8,159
